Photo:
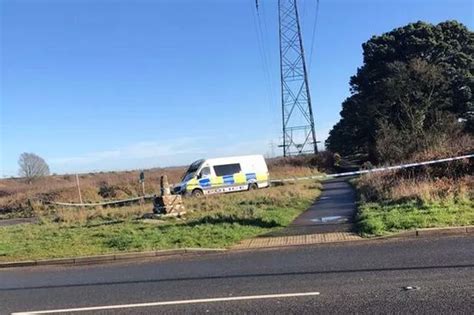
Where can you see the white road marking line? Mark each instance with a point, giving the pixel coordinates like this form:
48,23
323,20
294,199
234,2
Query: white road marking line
178,302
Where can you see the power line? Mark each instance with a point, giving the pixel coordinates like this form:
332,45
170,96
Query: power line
304,14
264,47
266,74
315,23
262,31
267,52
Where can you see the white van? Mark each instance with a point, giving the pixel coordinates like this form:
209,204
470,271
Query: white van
221,175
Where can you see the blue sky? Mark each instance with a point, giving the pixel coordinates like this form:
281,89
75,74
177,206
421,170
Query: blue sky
111,85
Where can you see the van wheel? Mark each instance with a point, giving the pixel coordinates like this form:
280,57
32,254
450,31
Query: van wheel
197,193
253,186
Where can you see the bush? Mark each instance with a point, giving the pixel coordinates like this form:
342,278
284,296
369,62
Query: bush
107,191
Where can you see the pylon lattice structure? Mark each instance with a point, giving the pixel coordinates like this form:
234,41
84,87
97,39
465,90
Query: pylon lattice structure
299,136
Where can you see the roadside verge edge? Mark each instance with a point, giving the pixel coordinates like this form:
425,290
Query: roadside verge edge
443,231
111,257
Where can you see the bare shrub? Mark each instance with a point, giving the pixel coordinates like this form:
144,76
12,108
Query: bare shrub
443,138
392,187
32,166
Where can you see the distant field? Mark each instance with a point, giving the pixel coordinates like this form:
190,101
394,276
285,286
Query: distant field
95,187
214,221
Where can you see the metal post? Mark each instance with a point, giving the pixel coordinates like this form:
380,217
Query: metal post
78,188
303,59
281,80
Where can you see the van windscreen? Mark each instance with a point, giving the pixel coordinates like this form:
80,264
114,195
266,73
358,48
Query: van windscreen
192,170
227,169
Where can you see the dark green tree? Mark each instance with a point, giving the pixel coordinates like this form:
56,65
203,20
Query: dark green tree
413,79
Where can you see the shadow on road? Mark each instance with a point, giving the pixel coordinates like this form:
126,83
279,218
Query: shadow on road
250,275
224,218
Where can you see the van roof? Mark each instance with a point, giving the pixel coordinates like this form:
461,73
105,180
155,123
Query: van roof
236,157
240,157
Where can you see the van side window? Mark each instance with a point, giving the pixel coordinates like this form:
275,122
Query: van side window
205,172
227,169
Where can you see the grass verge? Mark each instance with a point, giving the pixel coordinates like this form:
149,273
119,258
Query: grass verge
389,205
215,221
382,219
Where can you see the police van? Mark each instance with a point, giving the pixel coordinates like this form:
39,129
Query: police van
222,175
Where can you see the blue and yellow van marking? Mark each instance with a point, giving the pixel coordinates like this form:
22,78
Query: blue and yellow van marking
217,181
240,178
228,179
205,182
251,176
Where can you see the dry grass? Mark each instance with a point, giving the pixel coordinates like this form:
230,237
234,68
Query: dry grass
17,198
84,216
391,187
434,190
392,202
15,193
286,171
281,196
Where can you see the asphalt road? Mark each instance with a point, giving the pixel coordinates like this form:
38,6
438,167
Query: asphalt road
361,277
333,211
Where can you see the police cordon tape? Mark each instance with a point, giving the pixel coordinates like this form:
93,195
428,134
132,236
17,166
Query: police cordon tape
374,170
380,169
105,203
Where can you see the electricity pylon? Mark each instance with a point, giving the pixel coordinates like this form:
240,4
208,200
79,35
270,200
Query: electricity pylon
299,136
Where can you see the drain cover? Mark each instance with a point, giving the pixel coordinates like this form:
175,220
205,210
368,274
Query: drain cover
330,219
409,288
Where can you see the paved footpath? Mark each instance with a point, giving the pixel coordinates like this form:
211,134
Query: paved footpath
295,240
332,212
329,219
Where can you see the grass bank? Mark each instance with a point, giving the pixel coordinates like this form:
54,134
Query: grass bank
215,221
390,204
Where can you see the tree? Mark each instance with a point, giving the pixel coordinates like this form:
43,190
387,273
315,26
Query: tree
410,78
32,166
